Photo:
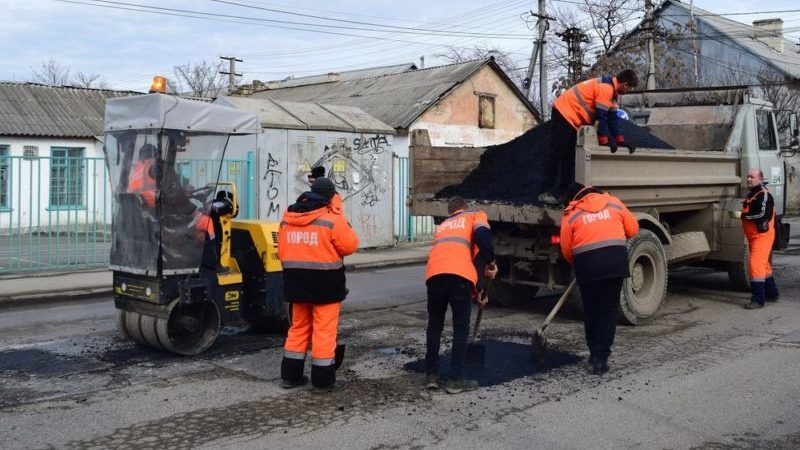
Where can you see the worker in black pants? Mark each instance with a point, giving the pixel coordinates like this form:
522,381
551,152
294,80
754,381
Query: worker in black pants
594,233
452,279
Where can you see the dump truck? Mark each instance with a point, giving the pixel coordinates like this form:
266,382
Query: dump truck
681,197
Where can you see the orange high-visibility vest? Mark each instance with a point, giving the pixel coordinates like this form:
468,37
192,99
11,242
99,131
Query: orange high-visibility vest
453,246
317,239
580,103
142,183
609,223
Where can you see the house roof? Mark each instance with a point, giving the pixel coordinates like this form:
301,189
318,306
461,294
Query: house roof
742,34
307,115
395,99
31,109
349,75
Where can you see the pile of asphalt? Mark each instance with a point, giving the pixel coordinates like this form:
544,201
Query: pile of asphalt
512,172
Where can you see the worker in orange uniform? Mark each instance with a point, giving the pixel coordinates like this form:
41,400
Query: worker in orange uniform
589,101
142,179
319,171
594,233
313,239
451,278
758,222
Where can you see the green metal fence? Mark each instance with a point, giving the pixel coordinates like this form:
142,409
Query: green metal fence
55,212
408,228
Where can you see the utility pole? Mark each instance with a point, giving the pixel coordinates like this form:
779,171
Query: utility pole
574,37
651,52
232,73
543,90
694,42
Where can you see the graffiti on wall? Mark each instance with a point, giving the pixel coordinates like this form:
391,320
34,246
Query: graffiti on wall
357,167
272,178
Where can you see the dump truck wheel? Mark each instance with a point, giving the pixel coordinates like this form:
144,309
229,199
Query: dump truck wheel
504,294
644,291
739,271
189,330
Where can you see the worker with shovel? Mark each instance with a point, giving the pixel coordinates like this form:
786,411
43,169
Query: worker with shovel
451,278
594,233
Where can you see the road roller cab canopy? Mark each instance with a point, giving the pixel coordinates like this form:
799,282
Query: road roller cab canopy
164,155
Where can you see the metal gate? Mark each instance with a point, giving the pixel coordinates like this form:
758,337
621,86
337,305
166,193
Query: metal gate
55,212
408,228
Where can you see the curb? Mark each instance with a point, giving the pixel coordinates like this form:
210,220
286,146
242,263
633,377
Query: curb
31,298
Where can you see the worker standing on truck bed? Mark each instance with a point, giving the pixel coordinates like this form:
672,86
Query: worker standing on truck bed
583,104
313,239
594,231
758,222
451,278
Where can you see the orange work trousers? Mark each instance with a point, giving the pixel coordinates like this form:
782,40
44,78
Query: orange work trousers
760,247
314,326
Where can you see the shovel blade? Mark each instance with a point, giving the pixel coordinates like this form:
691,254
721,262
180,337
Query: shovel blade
338,358
476,355
538,346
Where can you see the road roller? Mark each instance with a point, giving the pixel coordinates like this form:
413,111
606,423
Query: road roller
183,265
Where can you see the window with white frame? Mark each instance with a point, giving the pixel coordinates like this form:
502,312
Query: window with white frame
67,167
5,175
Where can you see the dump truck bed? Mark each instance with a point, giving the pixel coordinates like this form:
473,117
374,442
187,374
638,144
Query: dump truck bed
667,180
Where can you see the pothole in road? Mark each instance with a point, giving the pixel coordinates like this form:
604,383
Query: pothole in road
36,362
505,361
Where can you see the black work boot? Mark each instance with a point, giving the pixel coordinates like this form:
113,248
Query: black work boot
292,372
323,377
757,288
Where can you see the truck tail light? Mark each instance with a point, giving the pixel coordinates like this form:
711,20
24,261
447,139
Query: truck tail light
555,239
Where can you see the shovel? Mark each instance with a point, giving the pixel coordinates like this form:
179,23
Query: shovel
539,339
476,353
338,358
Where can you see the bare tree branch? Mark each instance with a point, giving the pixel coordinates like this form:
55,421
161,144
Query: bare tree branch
89,80
503,59
51,72
200,79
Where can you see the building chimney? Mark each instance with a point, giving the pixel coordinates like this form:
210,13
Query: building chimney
422,62
770,32
333,76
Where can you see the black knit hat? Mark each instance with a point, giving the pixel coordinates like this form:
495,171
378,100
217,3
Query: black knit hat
324,187
317,172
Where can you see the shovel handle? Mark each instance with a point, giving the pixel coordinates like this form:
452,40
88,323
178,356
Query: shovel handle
558,305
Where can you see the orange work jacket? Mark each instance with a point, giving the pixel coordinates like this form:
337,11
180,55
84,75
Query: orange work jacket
454,247
142,182
579,104
593,222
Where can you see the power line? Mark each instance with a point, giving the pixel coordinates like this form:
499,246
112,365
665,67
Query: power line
125,5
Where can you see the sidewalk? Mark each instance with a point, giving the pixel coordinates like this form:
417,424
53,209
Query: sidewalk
58,286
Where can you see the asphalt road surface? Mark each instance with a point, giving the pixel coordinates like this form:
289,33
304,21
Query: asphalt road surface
706,374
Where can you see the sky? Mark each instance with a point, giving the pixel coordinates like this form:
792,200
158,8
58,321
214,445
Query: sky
128,46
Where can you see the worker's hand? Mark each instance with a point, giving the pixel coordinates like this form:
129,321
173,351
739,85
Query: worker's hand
735,214
607,142
490,270
621,143
482,299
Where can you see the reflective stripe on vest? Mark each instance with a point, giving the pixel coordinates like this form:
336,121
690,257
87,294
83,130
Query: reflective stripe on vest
599,244
312,265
